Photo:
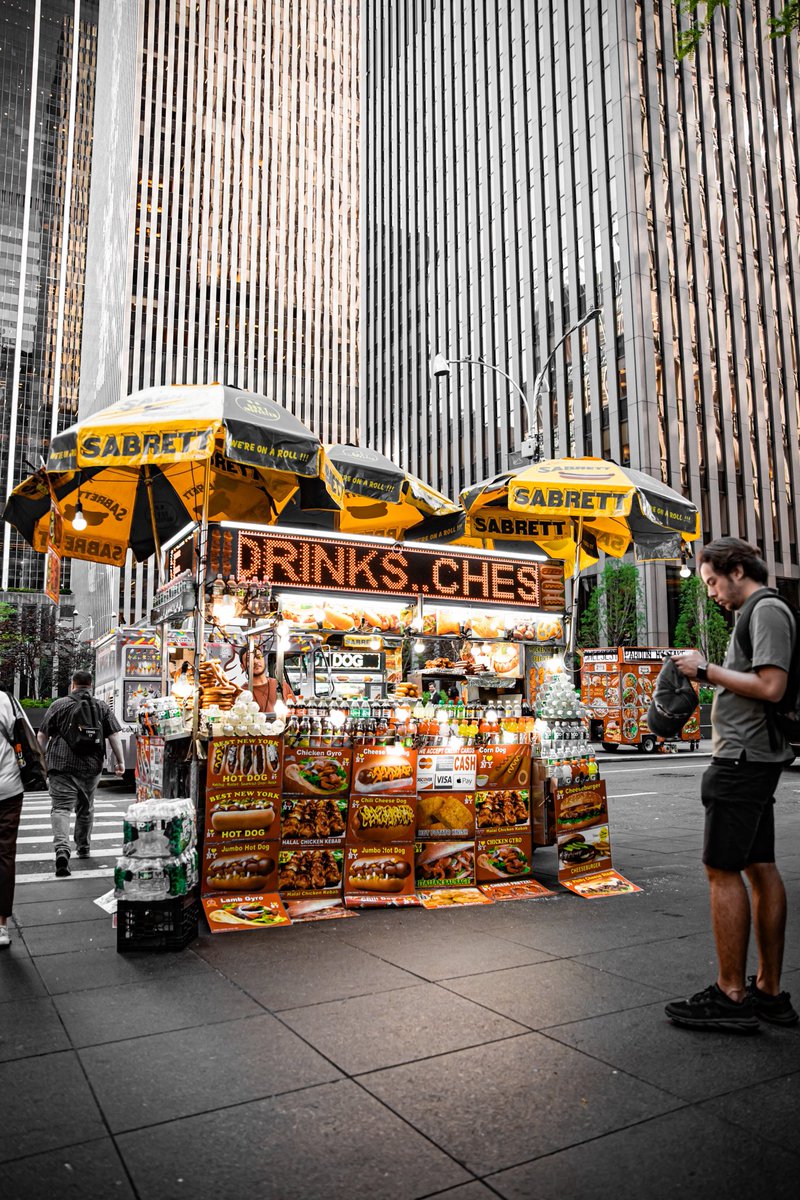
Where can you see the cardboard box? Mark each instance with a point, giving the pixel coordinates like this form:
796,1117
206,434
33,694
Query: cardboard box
502,811
577,807
441,770
445,864
246,762
306,872
446,815
317,771
245,866
384,771
242,812
501,768
377,875
305,819
503,857
382,821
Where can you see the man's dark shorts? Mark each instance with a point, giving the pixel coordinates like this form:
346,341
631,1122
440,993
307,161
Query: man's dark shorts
739,799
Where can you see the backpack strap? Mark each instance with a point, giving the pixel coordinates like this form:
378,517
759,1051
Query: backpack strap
744,639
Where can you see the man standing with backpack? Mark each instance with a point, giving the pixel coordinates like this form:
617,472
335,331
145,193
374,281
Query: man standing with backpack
73,736
756,691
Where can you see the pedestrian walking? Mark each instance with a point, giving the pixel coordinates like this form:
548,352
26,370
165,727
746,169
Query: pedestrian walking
11,793
73,736
749,752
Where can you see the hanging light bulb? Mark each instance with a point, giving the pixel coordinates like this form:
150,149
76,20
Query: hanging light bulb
684,571
419,645
375,643
79,521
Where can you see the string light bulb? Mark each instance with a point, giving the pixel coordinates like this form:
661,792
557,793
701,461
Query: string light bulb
79,521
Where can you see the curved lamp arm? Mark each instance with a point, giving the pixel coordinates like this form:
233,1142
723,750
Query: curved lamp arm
441,366
538,382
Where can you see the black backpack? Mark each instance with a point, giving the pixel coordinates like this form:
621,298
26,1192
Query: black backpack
785,715
27,750
82,728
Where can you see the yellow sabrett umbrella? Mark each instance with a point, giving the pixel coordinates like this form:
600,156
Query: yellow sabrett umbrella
134,474
574,508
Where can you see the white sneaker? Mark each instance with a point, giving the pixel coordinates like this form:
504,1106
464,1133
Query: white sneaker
5,936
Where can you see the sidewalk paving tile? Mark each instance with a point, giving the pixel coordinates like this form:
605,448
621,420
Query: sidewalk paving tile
287,975
19,977
366,1033
495,1106
55,912
552,993
427,953
86,969
685,1153
90,1171
769,1110
692,1064
169,1075
30,1027
326,1143
112,1014
680,966
45,1102
70,936
73,888
467,1191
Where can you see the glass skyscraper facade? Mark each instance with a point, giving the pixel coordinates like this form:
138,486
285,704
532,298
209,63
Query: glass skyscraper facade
527,161
47,77
224,215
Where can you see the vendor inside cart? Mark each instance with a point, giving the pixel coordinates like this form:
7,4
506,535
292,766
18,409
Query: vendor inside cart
266,690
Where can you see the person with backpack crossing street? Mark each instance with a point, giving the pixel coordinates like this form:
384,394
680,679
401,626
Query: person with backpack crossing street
754,723
73,736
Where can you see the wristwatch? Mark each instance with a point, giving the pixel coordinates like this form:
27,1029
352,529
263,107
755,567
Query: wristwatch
702,672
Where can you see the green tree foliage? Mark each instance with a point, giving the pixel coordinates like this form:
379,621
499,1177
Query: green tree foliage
687,40
615,609
701,625
34,644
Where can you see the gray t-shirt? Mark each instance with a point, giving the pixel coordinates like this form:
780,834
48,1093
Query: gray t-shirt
739,724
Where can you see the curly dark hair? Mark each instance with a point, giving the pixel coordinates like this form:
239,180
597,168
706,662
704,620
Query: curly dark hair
727,553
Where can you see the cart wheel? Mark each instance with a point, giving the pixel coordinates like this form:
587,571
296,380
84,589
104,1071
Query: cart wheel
693,746
648,745
611,747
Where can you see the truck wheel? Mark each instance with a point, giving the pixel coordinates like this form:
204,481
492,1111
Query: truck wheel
611,747
648,745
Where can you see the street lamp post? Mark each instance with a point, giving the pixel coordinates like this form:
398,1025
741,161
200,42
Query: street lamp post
531,446
539,381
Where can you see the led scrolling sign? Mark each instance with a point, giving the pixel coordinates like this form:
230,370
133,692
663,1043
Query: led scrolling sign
295,562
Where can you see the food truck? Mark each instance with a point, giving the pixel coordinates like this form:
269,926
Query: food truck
127,671
617,685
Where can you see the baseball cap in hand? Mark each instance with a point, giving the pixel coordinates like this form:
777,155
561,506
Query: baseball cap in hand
674,701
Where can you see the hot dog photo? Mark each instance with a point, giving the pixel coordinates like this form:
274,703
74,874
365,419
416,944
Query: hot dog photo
243,813
375,874
379,770
445,864
244,760
240,867
382,821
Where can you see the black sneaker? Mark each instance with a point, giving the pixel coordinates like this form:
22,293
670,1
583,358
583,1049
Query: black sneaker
712,1009
83,852
62,865
777,1010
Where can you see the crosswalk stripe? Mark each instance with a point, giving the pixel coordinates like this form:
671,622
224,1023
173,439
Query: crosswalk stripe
45,857
47,876
95,825
96,837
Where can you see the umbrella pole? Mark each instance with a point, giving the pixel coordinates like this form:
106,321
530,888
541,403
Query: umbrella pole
149,485
573,609
199,634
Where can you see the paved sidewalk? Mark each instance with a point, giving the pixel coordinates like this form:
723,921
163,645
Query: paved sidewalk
518,1050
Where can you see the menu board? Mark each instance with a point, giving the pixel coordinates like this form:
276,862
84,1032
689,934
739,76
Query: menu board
502,857
379,852
445,864
239,880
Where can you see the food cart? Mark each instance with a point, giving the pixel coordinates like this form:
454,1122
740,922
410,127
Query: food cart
432,783
617,685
